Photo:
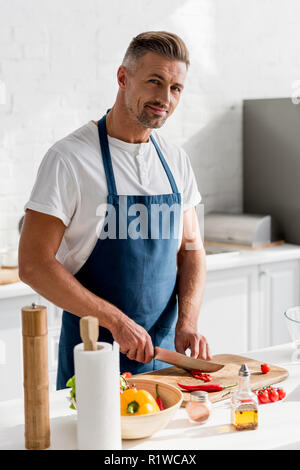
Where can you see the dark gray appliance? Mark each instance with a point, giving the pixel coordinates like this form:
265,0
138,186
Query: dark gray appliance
271,162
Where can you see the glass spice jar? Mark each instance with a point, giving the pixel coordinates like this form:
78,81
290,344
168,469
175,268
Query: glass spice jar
199,407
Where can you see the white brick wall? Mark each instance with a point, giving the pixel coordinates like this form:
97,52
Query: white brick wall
58,60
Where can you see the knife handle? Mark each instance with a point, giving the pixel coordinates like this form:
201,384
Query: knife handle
157,351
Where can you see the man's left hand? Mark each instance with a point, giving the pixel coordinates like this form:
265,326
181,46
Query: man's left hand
188,338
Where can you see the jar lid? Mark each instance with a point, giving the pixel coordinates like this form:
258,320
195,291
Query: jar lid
198,396
244,371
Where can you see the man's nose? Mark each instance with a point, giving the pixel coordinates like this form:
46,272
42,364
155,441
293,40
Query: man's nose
165,96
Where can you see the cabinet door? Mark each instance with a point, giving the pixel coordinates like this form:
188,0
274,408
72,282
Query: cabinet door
11,348
230,297
279,290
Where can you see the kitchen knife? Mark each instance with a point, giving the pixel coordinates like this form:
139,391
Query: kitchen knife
185,362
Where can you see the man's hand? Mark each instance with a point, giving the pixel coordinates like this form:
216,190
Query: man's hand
134,340
187,337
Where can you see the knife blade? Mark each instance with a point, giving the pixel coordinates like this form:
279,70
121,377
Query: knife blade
185,362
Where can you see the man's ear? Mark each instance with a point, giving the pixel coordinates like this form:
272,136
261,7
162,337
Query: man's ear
122,75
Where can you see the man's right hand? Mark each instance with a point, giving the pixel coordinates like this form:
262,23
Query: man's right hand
134,340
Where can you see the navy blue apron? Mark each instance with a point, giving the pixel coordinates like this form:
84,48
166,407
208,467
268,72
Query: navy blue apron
136,274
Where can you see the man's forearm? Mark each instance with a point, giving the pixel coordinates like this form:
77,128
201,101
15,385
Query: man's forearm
191,278
54,282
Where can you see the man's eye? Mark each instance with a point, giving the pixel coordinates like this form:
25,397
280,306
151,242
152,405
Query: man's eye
176,88
154,81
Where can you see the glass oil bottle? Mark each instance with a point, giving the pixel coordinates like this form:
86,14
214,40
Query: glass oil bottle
244,403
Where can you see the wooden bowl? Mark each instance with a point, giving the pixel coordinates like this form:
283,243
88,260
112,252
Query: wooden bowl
137,427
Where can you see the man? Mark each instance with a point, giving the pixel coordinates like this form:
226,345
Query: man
144,287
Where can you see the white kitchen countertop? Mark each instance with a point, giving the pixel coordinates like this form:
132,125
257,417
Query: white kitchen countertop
15,289
279,422
272,254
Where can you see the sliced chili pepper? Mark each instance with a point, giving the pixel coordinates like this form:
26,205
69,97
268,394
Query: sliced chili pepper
205,387
206,377
197,374
159,400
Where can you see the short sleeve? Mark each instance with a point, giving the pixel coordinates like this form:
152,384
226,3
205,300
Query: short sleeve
55,189
191,194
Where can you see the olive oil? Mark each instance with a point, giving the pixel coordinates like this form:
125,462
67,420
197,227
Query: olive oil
245,419
244,403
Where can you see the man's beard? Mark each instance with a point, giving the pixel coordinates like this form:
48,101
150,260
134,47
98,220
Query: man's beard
148,121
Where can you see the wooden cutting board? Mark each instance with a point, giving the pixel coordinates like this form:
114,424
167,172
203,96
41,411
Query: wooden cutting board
226,376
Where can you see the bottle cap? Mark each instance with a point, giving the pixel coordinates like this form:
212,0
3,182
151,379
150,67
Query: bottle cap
198,395
244,371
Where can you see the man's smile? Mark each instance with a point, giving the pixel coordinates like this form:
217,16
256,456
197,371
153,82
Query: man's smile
160,111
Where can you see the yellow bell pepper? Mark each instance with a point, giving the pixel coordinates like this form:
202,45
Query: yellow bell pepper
137,402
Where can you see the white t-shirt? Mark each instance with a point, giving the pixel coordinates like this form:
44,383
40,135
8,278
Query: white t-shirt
71,184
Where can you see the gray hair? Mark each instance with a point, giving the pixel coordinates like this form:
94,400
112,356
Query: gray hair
166,44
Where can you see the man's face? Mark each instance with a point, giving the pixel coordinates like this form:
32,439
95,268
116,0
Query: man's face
153,91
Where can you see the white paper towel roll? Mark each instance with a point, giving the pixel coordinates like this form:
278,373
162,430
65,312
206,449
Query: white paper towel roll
98,397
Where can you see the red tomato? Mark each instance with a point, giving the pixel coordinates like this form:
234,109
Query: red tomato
281,393
263,396
127,375
273,394
264,368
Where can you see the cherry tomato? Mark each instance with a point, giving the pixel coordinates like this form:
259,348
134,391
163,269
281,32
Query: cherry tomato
127,375
281,393
273,394
263,396
264,368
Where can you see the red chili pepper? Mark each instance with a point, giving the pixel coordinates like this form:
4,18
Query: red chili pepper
159,400
207,378
197,374
205,387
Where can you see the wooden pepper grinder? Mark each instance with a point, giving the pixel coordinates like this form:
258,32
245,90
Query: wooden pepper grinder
36,380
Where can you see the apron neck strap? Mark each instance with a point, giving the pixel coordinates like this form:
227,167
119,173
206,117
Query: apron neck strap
165,165
110,178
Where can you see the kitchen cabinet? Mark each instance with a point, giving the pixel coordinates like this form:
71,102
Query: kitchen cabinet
229,301
279,289
11,347
11,367
243,307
